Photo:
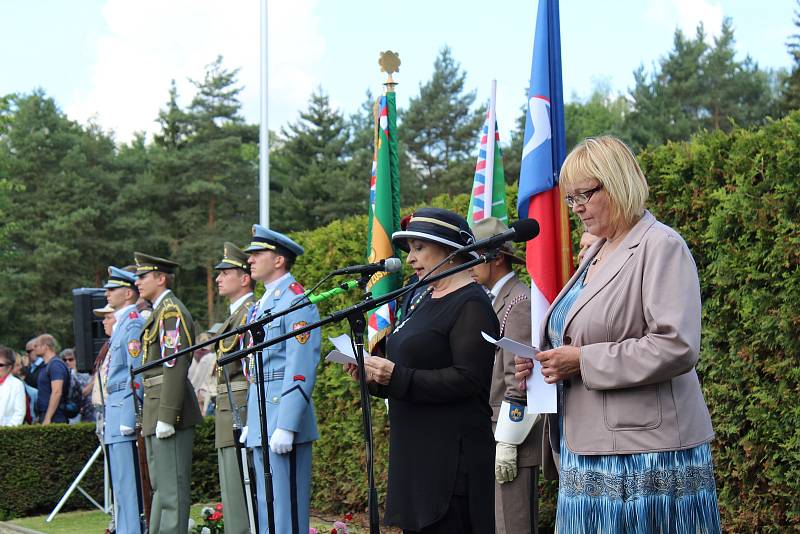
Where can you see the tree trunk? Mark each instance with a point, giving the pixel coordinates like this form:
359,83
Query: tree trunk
212,222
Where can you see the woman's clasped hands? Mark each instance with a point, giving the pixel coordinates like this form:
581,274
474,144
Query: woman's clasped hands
379,370
557,364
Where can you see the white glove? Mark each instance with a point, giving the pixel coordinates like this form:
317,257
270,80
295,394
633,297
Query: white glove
281,441
125,430
243,436
505,462
164,430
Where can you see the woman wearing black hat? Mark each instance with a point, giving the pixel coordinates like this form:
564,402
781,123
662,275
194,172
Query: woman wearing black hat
437,376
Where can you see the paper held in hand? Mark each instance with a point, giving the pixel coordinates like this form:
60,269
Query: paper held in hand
541,395
343,350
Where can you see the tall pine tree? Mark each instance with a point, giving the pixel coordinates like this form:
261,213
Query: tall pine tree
440,129
311,179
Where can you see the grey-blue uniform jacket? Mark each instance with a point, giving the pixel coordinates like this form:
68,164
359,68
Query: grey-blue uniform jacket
124,352
290,368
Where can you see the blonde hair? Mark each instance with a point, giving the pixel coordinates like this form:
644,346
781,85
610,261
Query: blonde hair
608,160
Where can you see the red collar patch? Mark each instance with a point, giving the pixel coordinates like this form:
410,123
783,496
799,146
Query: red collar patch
296,288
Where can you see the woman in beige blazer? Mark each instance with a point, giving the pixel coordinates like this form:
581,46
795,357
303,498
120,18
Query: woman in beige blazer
622,340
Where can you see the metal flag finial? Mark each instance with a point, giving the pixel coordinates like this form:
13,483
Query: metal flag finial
390,63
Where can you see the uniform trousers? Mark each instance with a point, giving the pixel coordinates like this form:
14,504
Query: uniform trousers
291,483
233,499
123,461
513,501
170,463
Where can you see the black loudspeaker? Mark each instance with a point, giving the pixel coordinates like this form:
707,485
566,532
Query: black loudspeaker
87,327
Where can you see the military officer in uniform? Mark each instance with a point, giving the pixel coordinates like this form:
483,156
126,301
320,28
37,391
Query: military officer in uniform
124,352
518,433
235,284
170,405
290,370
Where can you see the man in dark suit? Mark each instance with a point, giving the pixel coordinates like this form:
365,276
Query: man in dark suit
518,453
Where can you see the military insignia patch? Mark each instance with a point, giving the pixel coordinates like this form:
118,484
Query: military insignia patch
299,378
133,315
296,288
134,348
171,339
302,338
516,412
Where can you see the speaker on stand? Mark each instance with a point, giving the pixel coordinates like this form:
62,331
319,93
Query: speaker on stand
88,329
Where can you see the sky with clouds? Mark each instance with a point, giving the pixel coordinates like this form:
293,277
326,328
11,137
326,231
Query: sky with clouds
111,61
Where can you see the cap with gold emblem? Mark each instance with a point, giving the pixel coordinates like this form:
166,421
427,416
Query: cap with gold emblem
147,264
119,278
233,258
266,239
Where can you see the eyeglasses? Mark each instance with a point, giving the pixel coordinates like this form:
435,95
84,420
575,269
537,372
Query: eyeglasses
69,359
5,365
582,198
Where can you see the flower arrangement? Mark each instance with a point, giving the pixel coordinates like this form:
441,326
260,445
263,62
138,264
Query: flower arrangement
212,521
339,527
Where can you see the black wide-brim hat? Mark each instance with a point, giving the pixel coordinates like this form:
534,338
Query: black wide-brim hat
435,225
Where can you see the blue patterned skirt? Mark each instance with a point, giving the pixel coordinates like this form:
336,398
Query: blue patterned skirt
649,493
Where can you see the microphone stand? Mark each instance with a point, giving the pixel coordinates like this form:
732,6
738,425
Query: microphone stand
357,313
306,300
358,324
257,332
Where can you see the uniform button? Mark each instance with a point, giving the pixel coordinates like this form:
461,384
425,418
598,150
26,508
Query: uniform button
567,340
145,394
274,399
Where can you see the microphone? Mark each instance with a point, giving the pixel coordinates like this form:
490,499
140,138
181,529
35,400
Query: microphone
519,232
390,265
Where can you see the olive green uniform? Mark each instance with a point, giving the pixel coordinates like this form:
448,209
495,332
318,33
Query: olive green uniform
230,478
169,398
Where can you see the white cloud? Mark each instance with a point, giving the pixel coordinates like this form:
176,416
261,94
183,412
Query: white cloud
150,42
687,14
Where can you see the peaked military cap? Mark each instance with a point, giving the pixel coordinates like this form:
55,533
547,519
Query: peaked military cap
266,239
146,264
233,258
102,312
119,278
490,226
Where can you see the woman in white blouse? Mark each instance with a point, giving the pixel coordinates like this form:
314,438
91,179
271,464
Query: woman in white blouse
12,391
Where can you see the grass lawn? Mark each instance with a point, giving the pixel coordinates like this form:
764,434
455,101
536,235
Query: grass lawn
95,521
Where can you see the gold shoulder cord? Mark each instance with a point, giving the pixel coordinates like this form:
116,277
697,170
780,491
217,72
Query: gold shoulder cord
224,349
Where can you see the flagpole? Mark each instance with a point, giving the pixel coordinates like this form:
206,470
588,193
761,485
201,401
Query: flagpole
263,144
488,191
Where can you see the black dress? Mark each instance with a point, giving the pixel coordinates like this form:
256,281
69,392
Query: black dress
440,436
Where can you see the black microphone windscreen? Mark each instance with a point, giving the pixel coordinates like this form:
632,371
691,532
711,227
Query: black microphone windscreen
525,230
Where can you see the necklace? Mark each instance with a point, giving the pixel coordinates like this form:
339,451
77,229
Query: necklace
417,301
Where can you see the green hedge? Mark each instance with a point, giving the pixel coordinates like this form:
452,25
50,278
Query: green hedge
40,462
733,197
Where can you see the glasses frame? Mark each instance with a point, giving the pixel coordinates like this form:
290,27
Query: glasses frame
582,198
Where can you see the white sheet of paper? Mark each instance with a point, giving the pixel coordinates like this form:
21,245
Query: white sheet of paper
339,357
541,395
343,352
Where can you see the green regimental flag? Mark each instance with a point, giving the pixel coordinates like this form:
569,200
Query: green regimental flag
384,215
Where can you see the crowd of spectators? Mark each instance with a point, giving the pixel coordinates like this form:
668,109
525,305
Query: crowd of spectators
35,385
